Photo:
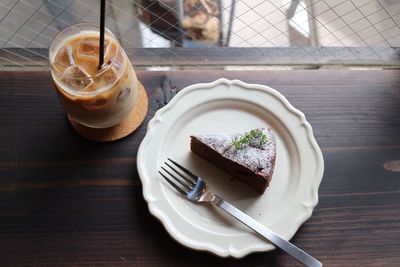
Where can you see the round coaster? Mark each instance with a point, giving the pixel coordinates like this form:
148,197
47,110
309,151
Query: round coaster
132,121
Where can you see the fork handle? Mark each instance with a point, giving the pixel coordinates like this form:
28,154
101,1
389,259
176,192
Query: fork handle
286,246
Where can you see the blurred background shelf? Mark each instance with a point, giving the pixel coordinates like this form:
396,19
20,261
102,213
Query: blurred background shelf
292,33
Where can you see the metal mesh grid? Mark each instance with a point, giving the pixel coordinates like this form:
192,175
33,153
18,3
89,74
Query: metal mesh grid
224,32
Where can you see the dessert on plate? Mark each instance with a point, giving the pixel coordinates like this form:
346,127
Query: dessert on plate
248,156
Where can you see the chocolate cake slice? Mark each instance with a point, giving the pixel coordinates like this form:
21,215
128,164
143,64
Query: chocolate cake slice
249,156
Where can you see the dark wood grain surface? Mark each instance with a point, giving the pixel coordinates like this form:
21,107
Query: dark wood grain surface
68,201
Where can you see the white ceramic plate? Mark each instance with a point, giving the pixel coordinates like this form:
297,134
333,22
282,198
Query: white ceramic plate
231,106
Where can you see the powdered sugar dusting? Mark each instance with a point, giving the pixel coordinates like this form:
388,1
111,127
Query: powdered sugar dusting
257,158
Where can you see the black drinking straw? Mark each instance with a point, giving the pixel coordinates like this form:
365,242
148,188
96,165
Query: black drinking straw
102,26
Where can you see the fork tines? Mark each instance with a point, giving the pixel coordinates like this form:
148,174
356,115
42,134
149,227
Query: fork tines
184,179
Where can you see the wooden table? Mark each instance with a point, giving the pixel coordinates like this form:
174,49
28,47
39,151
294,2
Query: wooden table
68,201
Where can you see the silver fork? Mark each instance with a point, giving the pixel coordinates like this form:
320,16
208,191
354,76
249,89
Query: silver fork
196,190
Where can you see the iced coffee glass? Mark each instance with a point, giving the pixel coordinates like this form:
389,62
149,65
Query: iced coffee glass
93,97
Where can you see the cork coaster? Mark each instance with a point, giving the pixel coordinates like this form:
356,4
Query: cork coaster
132,121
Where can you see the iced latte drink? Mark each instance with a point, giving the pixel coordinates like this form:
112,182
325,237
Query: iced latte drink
93,97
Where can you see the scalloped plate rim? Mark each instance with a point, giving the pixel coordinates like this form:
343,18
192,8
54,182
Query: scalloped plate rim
163,217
